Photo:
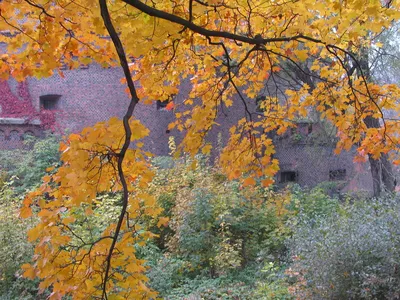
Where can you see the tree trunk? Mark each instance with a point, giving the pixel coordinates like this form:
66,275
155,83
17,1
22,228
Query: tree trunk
388,178
376,175
381,169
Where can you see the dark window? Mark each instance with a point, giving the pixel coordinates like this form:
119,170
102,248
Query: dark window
161,104
339,174
2,135
309,128
49,102
288,176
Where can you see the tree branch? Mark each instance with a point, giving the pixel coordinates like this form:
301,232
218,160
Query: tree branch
258,40
128,133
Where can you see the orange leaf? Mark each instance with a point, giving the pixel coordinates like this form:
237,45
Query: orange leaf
170,106
49,169
29,271
267,182
25,212
249,181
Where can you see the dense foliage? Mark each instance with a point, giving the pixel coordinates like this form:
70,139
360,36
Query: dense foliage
218,240
15,250
352,253
218,232
29,165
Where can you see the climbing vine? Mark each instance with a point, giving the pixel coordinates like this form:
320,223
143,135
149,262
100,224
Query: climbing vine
21,106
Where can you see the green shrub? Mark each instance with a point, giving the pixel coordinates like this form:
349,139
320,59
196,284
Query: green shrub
230,287
315,203
215,224
29,166
15,250
219,234
275,286
353,253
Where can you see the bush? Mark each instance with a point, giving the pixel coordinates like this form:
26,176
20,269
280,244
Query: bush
218,231
275,286
216,224
353,253
231,286
312,204
15,250
29,166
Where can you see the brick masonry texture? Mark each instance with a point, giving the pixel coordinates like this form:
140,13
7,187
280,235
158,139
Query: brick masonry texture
94,94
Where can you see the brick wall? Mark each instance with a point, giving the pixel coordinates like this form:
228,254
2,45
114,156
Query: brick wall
87,96
12,136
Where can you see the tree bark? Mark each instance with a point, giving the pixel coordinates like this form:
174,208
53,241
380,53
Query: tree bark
381,169
388,177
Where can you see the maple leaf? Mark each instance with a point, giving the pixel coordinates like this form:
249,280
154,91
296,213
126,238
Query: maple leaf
170,106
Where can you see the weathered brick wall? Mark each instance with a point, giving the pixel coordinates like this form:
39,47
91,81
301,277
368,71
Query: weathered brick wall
12,136
314,163
96,94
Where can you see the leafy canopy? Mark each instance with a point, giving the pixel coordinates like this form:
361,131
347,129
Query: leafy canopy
226,49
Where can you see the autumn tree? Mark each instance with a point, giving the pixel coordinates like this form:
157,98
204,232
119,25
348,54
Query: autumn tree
226,49
299,73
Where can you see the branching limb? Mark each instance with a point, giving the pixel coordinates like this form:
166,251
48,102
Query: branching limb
257,40
128,133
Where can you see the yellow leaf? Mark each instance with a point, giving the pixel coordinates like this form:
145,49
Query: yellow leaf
302,54
25,212
34,234
68,220
29,271
163,221
206,149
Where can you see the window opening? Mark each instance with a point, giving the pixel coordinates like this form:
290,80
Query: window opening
339,174
309,128
49,102
28,134
289,176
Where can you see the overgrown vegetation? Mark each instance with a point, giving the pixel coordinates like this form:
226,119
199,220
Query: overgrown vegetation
28,166
218,240
15,250
352,253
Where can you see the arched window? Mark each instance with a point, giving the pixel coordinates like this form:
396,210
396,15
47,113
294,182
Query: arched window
2,135
14,135
28,134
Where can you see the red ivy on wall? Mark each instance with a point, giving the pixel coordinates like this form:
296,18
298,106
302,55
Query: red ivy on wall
21,106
